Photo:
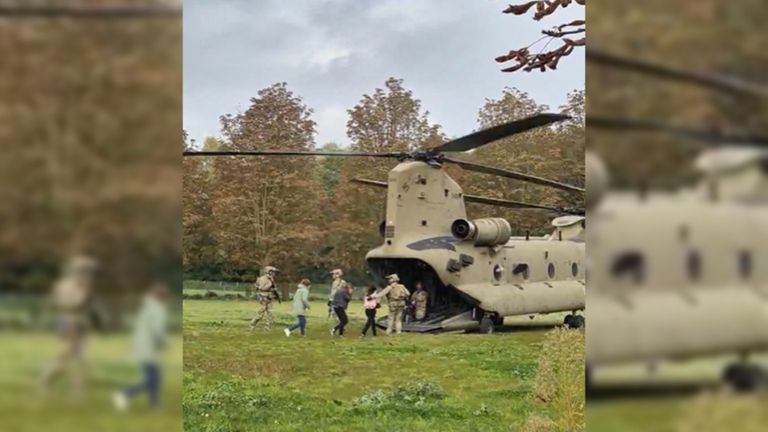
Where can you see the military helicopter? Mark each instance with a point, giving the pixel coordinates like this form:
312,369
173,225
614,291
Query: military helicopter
681,274
475,271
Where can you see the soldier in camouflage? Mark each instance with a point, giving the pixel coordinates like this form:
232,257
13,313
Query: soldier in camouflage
266,292
396,294
419,300
71,299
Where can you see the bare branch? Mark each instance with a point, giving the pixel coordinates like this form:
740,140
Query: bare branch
543,7
525,59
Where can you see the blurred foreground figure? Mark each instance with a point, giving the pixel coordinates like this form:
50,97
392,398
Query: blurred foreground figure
149,340
70,300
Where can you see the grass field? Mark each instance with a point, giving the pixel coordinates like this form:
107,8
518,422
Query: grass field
23,409
238,380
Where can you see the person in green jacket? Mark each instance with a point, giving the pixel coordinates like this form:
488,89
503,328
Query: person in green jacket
300,307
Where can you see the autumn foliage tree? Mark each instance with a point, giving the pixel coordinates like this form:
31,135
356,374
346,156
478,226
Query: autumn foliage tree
89,125
555,152
266,209
388,120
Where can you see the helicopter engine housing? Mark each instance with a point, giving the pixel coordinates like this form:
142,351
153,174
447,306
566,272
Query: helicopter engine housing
484,232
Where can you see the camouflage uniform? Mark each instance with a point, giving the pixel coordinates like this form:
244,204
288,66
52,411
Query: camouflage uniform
396,295
265,287
419,300
71,298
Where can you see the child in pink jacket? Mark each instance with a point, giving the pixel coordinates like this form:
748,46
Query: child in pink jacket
370,303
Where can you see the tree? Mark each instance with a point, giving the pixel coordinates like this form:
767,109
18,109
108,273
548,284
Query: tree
390,119
199,251
554,152
268,210
330,168
91,151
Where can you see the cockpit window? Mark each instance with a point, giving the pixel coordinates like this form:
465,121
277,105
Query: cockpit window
631,265
521,270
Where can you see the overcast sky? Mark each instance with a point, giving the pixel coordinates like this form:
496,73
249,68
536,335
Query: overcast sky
331,52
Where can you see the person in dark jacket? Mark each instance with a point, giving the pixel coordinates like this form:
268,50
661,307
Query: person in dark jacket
339,303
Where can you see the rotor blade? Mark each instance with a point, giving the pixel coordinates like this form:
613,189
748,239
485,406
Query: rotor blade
288,153
485,136
471,166
368,182
498,202
709,136
105,11
519,204
717,82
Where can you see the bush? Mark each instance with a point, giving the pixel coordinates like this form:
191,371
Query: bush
560,383
420,396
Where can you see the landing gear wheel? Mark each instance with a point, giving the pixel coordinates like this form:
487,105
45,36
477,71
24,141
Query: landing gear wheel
568,321
486,325
745,378
578,321
574,322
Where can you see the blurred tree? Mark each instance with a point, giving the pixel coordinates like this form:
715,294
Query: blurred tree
89,122
705,36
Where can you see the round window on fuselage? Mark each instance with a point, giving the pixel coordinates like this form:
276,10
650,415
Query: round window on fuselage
498,272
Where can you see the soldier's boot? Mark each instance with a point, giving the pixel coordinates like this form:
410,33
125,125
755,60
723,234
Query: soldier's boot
256,319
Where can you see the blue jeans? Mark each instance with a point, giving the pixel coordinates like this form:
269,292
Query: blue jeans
302,324
150,384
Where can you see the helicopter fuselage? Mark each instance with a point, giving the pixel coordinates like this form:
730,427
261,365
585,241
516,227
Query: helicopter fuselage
517,276
676,275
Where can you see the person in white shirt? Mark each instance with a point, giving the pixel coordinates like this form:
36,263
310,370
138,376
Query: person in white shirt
149,340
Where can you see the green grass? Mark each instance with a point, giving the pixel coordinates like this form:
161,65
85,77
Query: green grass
23,409
237,380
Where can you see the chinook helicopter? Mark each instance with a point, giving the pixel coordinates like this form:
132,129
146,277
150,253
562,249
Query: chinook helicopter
681,274
475,271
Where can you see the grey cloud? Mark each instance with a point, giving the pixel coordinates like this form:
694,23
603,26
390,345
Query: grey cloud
332,51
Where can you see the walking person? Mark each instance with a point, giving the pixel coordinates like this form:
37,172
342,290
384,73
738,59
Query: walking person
300,307
266,292
370,304
71,299
340,302
149,339
396,294
336,283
